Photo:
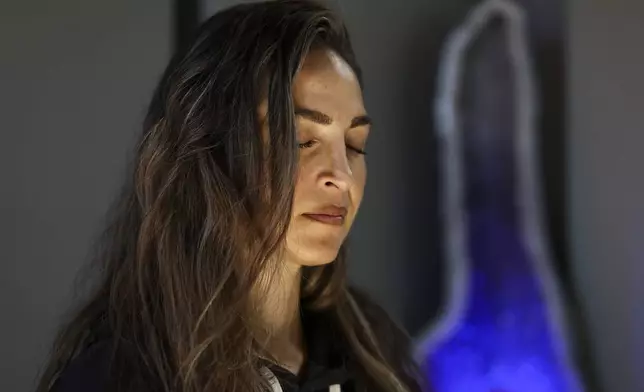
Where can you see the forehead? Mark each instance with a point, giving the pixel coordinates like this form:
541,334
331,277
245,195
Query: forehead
327,83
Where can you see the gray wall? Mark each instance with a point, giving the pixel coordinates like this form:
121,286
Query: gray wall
76,76
606,173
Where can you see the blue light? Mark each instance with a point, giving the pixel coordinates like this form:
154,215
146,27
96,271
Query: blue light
504,327
504,342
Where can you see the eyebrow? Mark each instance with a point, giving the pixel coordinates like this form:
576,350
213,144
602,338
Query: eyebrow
324,119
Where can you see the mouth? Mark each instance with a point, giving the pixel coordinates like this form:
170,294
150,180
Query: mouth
331,215
335,220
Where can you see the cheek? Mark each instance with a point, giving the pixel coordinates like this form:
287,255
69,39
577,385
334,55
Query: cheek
302,178
359,170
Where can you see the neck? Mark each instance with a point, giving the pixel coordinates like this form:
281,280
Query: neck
279,313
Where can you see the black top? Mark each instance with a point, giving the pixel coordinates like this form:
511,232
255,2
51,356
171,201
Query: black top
328,364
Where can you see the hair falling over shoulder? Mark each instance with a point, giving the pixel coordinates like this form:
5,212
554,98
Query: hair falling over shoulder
205,206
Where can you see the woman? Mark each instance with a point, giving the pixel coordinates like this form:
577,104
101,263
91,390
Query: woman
224,268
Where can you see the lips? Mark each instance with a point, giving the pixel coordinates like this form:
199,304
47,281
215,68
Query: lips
331,215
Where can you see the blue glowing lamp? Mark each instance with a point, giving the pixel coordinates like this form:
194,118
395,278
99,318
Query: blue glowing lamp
503,328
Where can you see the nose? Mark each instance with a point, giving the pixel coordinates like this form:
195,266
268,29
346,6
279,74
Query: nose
337,174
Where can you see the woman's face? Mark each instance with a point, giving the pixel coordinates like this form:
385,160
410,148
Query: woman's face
332,129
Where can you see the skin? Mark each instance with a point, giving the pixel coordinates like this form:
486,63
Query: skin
328,100
332,128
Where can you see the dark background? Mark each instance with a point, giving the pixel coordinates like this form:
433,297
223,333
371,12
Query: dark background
76,77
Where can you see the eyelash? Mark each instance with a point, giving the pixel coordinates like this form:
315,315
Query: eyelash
308,144
311,143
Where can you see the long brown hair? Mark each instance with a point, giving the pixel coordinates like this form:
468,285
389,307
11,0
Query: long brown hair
207,206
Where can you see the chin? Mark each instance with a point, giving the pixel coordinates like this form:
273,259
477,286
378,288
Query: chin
313,258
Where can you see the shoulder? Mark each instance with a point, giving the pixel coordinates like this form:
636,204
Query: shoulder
383,324
89,371
105,366
393,339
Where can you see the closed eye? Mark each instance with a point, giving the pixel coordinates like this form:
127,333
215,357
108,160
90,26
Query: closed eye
308,144
356,150
311,143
